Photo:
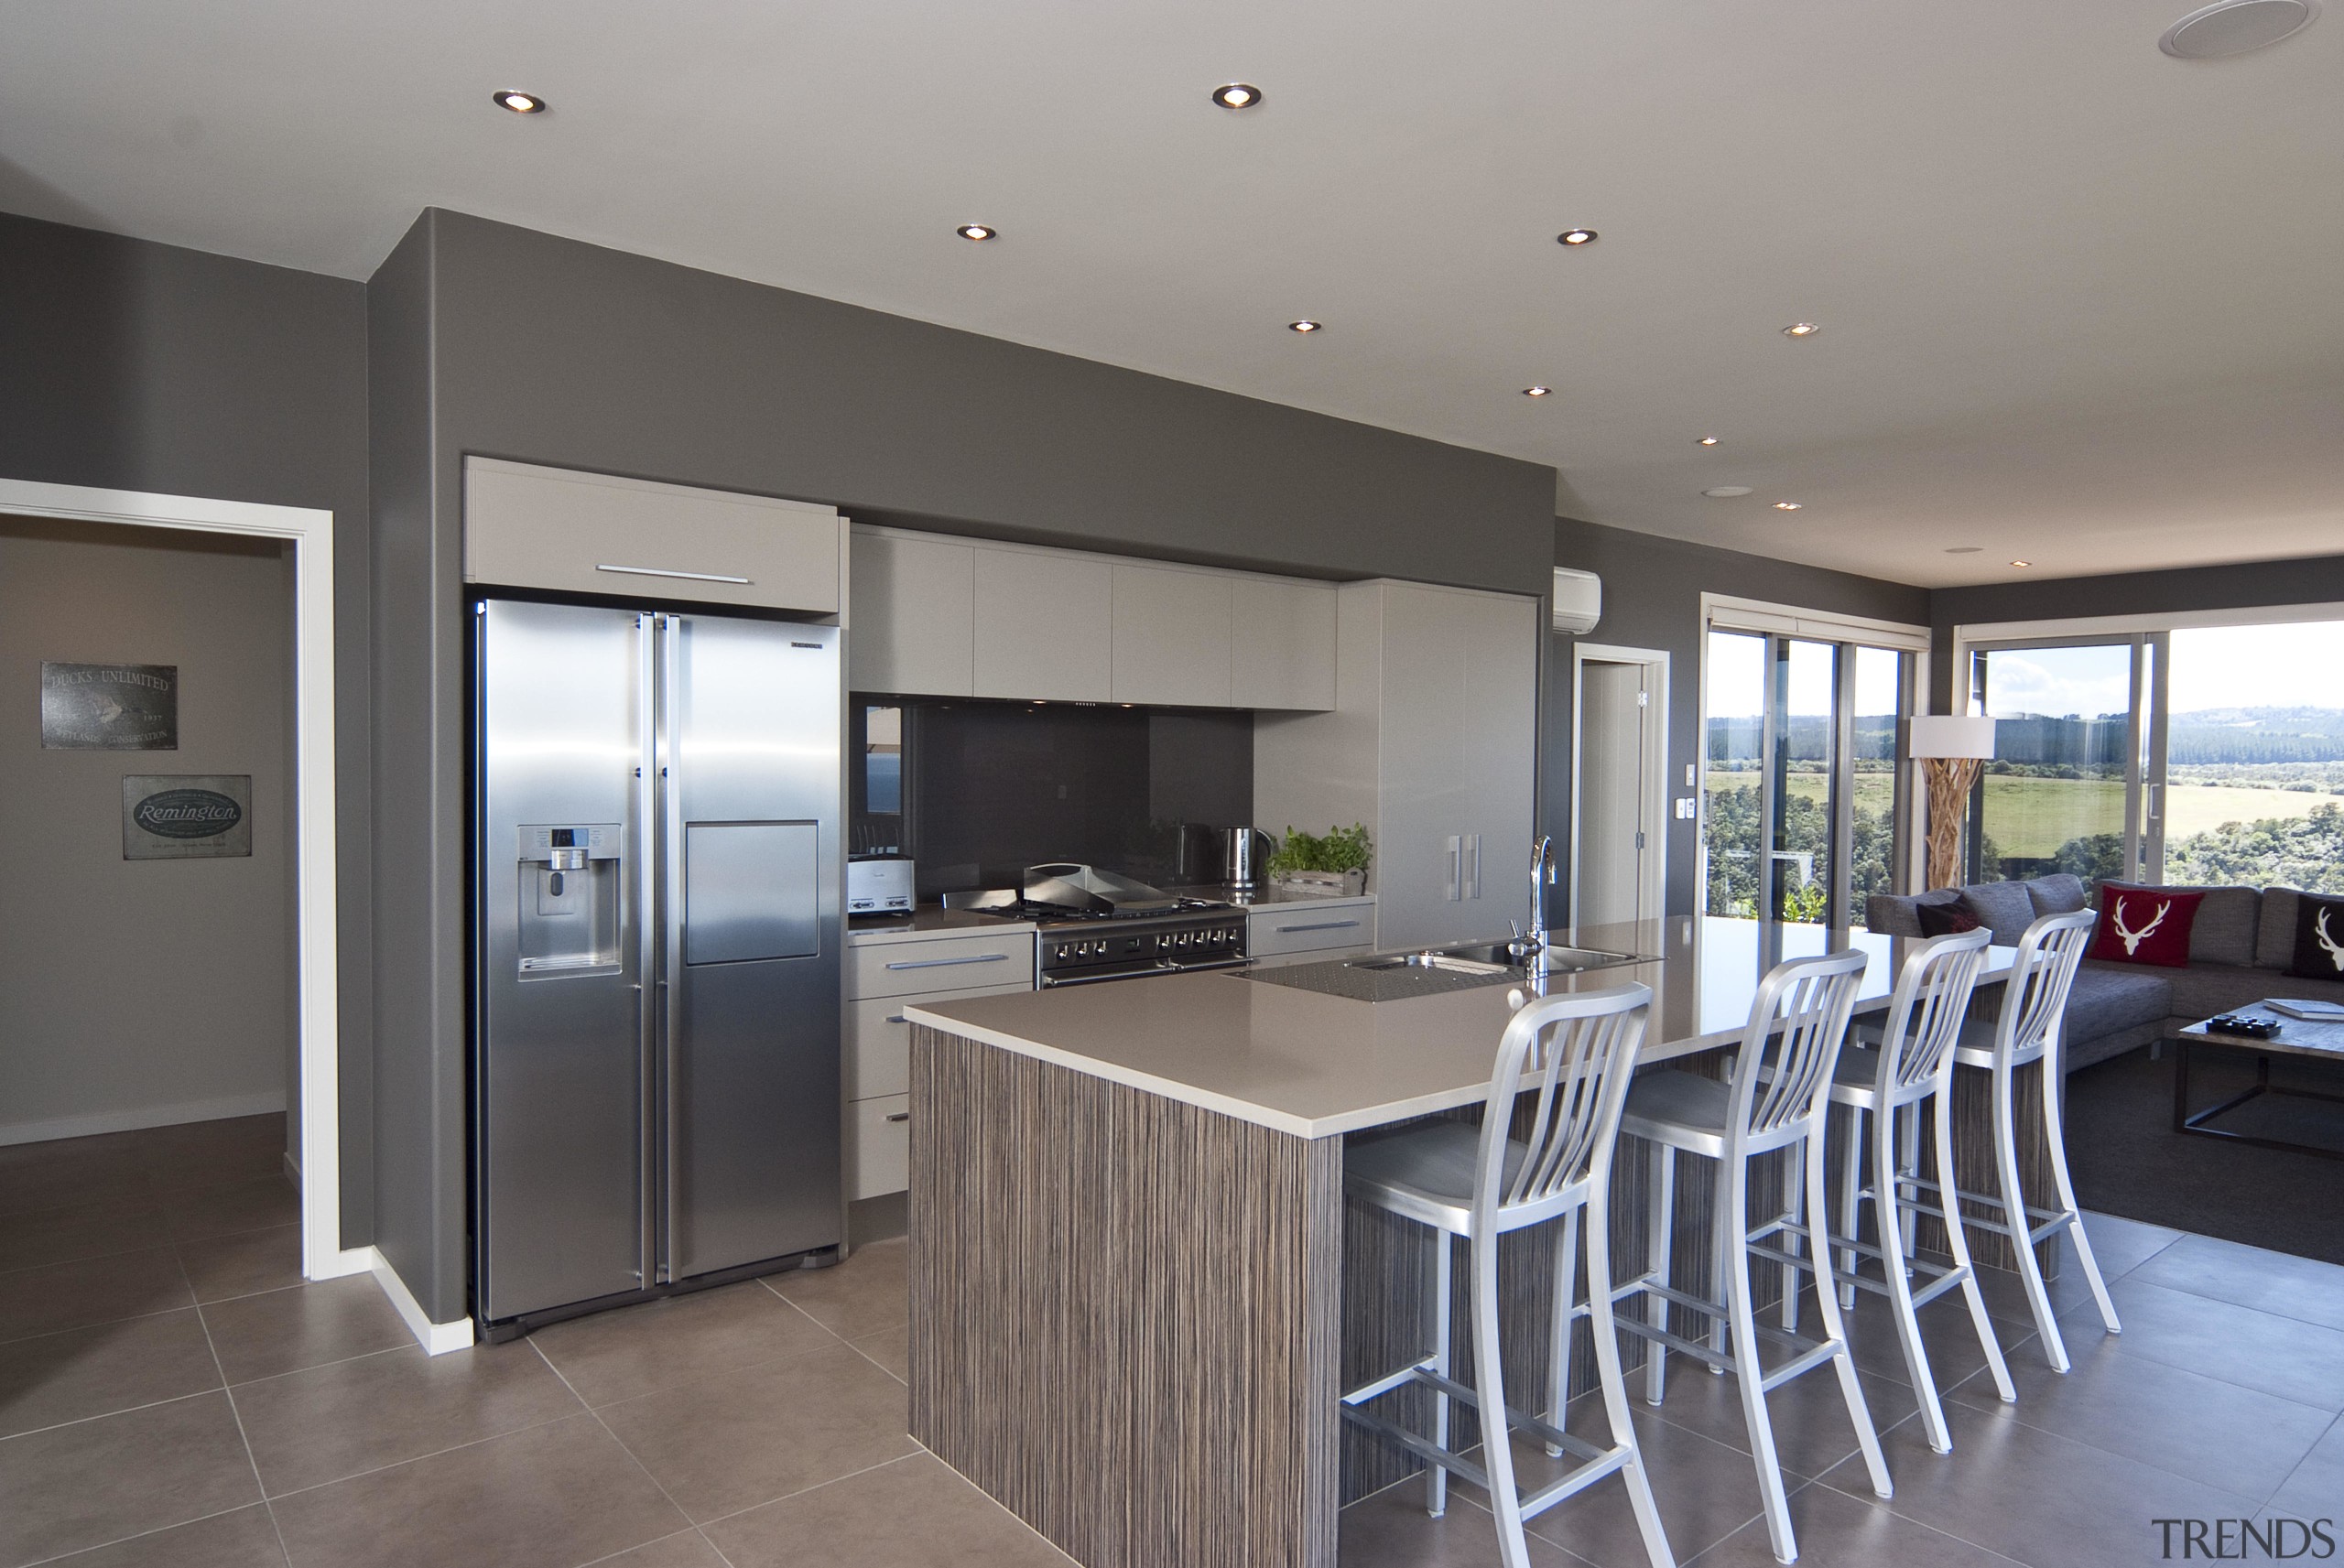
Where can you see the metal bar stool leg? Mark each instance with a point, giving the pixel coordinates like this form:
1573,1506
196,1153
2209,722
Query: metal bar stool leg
1497,1446
1742,1325
1443,1288
1794,1207
1660,1243
1558,1353
2055,1137
1909,1218
2013,1195
1852,1170
1835,1328
1900,1295
1957,1239
1615,1382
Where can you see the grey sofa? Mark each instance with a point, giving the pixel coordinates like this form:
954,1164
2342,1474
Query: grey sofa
2239,953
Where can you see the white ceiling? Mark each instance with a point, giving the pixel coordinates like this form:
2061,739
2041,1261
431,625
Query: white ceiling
2081,301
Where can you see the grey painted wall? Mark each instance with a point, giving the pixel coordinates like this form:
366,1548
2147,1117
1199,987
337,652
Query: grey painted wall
137,993
132,365
1652,599
2245,586
499,342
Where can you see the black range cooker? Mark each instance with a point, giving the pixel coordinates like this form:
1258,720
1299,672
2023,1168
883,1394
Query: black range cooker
1095,925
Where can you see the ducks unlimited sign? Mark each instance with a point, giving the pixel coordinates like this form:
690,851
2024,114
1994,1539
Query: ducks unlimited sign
182,817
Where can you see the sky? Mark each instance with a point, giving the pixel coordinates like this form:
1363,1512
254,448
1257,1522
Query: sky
2300,665
2295,665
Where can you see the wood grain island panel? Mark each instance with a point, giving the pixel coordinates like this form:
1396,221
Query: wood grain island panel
1125,1313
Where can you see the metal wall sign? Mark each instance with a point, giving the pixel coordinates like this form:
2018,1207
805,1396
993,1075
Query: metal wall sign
185,817
108,707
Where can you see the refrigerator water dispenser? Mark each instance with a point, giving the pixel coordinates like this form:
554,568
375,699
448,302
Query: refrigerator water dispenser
569,895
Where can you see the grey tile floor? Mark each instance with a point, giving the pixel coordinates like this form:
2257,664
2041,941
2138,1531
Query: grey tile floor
172,1393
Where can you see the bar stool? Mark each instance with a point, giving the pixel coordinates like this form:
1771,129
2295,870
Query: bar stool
1911,1072
2030,1028
1733,1123
1479,1183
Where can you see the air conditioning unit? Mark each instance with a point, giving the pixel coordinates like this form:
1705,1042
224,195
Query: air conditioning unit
1578,601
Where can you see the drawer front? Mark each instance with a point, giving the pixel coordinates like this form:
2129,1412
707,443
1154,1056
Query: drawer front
1311,956
1289,928
945,964
879,1146
879,1042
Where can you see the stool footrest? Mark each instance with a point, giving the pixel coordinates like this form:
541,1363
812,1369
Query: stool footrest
1386,1383
2050,1216
1595,1463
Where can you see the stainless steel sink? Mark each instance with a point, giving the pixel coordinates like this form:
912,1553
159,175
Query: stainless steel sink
1488,958
1450,963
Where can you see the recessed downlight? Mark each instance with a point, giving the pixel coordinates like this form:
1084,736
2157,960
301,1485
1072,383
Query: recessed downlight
1787,506
1538,391
1306,325
1726,492
2022,563
2236,27
1237,95
1706,441
1801,330
1963,549
977,231
1577,237
519,103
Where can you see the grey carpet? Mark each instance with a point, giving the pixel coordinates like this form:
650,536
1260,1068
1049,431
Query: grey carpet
2126,1159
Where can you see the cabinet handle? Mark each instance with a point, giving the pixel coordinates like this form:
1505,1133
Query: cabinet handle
662,571
898,1018
900,1116
944,963
1322,925
1456,867
1473,880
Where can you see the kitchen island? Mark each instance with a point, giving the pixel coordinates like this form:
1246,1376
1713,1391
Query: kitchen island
1130,1245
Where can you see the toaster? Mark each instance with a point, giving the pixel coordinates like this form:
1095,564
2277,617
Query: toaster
879,887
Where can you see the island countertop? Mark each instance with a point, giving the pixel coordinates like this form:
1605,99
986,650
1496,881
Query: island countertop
1316,1065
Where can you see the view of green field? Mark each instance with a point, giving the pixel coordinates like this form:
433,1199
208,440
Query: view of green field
2033,817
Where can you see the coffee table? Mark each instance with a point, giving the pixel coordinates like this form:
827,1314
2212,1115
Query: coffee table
2296,1037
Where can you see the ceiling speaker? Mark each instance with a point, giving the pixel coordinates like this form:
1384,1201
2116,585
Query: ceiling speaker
2236,27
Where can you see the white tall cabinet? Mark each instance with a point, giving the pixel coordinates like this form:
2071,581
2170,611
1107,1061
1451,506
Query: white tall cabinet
1433,744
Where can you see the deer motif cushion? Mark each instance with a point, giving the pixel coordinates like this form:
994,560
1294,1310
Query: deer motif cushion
2319,938
2146,925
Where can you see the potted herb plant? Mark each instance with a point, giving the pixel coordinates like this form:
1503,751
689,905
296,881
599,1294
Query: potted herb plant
1327,865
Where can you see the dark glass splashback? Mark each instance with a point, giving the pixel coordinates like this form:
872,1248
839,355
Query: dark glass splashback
992,787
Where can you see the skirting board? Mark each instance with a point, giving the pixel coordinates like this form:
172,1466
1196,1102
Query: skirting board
437,1339
90,1126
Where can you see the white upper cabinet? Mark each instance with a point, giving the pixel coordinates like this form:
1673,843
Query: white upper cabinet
1044,626
912,627
1172,637
527,527
938,616
1283,650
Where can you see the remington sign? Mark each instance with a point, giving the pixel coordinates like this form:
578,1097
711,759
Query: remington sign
167,817
108,707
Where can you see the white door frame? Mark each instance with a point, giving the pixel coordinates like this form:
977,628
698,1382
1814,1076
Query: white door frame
1651,896
310,534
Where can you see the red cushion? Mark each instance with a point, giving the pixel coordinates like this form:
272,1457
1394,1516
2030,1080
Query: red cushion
2145,925
1944,919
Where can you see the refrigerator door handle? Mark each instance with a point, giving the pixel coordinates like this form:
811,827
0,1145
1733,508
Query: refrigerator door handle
671,957
646,958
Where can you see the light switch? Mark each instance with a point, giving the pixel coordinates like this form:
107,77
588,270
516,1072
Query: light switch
1689,774
1686,807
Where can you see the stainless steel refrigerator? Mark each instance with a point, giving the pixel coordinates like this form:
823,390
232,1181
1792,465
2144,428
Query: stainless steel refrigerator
657,932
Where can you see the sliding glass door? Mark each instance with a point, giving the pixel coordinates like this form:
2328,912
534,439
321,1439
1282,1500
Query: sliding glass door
1803,798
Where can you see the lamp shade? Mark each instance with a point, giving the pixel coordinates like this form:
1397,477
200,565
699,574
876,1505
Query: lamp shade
1943,735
